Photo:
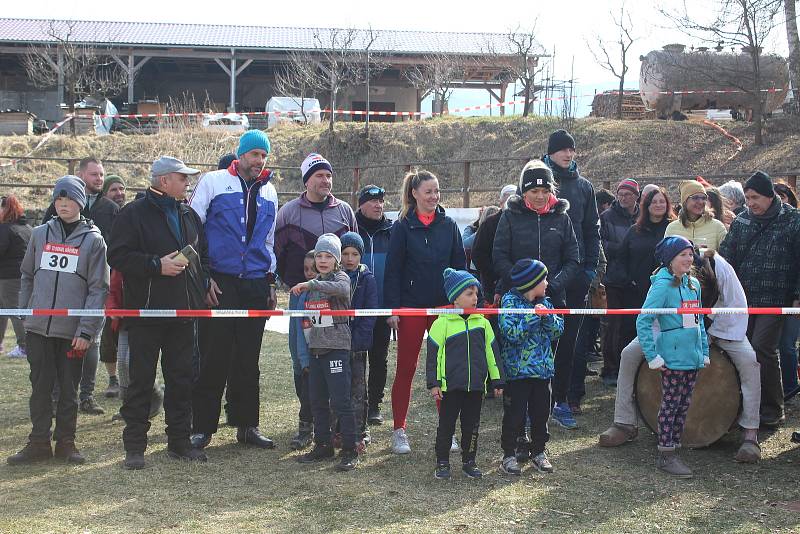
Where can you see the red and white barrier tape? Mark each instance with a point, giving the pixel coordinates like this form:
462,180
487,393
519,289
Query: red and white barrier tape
385,312
42,141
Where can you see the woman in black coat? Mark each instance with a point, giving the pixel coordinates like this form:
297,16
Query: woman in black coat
15,232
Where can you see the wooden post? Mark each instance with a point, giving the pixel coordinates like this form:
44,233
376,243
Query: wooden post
792,180
607,184
356,187
71,166
465,190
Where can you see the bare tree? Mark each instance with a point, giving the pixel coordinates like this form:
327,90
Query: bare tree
743,23
524,51
438,75
794,48
81,70
300,79
606,49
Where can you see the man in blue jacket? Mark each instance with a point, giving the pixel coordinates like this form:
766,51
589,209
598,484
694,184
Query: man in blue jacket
238,206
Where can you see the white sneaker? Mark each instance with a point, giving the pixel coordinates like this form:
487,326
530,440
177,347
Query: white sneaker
18,352
454,446
400,442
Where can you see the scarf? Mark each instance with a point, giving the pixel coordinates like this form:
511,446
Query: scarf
551,201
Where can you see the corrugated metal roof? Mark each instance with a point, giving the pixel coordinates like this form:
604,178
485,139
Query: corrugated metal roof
157,34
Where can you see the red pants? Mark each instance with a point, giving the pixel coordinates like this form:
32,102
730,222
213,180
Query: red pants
409,341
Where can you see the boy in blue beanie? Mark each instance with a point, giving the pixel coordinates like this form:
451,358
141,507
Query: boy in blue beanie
461,357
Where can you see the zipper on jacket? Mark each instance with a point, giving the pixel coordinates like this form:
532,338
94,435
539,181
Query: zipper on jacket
469,363
539,229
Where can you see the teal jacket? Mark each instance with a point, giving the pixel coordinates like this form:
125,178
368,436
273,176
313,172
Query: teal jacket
679,347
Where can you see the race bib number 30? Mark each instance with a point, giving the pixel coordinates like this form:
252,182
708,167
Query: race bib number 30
320,321
61,258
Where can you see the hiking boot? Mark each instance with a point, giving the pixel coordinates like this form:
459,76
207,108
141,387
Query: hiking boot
400,443
133,461
320,452
542,463
749,452
90,406
18,353
618,434
187,453
66,450
669,462
471,469
304,437
348,460
200,441
156,402
563,416
454,446
510,466
374,416
251,435
32,452
112,391
442,471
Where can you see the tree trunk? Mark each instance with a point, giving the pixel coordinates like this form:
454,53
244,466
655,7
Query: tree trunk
527,86
620,96
758,108
794,48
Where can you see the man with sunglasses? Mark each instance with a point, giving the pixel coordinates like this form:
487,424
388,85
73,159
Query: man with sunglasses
375,229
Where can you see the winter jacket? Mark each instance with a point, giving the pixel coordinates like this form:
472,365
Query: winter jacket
579,192
85,288
328,292
728,326
140,238
679,348
523,233
239,222
363,296
528,338
614,224
766,256
376,247
302,353
418,256
462,354
297,228
482,248
708,228
636,261
102,214
14,237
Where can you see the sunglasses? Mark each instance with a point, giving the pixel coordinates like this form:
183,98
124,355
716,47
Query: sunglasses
698,198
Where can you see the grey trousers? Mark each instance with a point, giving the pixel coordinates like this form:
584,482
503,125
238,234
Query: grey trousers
9,298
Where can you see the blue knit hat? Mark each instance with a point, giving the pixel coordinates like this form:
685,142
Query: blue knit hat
352,239
252,139
71,187
527,274
671,246
455,282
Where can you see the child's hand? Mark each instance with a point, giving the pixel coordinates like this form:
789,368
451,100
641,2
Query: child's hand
299,288
498,392
540,307
436,393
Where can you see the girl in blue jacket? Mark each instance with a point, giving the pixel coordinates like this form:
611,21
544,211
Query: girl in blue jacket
680,349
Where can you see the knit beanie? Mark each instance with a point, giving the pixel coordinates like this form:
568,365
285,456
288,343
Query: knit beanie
508,190
331,244
630,184
527,274
536,173
352,239
312,164
671,246
251,140
110,180
225,161
455,282
689,188
71,187
559,140
649,187
761,183
370,192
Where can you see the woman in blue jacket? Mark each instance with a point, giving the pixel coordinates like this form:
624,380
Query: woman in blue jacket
680,349
423,244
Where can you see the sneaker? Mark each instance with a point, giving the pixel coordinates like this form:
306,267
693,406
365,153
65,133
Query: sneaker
304,437
510,466
442,471
320,452
91,407
18,352
542,463
32,452
454,446
348,460
400,443
66,450
374,416
471,470
669,462
112,391
563,416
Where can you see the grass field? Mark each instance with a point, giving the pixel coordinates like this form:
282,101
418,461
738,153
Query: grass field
249,490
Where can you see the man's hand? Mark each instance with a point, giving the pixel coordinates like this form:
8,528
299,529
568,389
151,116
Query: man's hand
436,393
211,295
394,322
272,299
80,344
170,266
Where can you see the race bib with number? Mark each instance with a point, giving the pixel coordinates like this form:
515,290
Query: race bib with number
320,321
690,320
61,258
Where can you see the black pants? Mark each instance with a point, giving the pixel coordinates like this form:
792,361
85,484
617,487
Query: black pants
330,384
229,350
565,350
531,396
586,340
174,341
47,357
467,404
764,333
378,355
301,389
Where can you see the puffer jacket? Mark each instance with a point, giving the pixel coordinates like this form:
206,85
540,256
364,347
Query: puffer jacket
528,339
523,233
461,354
636,260
766,256
363,296
14,238
614,224
328,292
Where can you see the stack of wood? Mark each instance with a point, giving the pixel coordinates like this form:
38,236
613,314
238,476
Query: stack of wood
605,105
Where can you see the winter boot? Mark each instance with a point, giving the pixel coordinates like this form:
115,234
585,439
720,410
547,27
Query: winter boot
669,462
304,437
66,450
32,452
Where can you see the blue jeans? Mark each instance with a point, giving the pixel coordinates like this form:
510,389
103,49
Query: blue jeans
788,348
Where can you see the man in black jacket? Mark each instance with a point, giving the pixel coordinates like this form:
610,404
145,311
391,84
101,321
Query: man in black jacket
148,235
